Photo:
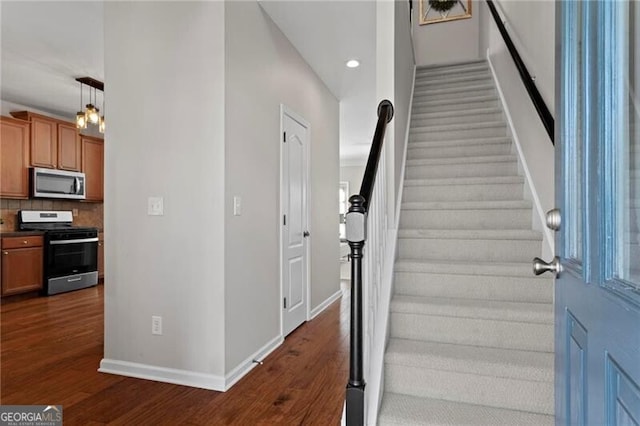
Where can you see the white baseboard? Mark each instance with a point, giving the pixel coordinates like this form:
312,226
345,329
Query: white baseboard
324,305
248,364
162,374
185,377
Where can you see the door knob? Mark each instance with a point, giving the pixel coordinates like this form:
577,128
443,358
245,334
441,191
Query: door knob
305,234
540,266
553,219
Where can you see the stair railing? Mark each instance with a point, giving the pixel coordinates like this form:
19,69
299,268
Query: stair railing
364,207
529,84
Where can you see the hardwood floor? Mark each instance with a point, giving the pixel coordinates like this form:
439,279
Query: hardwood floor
51,348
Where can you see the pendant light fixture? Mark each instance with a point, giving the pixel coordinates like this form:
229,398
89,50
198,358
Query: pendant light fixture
101,124
91,113
81,118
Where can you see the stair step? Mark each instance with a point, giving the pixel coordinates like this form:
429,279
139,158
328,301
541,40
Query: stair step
460,142
466,219
451,191
405,410
457,131
460,93
449,81
538,313
509,158
459,151
519,380
451,70
472,102
461,169
442,114
512,245
493,281
496,331
467,205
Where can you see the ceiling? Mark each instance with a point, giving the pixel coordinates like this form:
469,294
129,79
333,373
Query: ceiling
45,45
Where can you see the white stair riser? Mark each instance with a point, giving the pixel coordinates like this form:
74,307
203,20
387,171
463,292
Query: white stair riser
454,105
485,192
469,250
465,219
515,394
484,287
501,168
473,331
424,134
455,119
461,95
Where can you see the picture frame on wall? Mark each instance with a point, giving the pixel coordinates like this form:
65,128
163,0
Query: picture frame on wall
434,11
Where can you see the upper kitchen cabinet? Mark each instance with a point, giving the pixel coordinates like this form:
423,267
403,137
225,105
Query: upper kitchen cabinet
14,161
93,167
54,143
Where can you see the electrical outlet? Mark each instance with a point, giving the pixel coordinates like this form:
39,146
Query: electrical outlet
155,206
74,212
156,325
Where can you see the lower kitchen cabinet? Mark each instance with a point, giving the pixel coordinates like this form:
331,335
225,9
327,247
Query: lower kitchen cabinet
22,263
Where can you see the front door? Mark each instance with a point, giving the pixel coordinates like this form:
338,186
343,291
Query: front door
295,144
597,294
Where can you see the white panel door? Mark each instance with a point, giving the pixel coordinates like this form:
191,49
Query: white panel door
295,234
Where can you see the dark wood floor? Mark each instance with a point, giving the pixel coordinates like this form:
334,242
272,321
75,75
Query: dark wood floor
51,349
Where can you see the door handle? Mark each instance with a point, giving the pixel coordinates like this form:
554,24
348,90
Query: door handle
540,266
305,234
553,219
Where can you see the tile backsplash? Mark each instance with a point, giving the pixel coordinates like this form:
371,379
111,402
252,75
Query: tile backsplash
88,214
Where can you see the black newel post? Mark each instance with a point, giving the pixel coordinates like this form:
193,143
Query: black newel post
356,235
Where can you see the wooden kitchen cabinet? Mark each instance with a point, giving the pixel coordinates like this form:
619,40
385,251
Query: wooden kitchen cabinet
22,263
69,148
54,143
14,161
101,255
93,167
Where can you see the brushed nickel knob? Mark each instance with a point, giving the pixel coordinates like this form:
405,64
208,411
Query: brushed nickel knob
540,266
553,219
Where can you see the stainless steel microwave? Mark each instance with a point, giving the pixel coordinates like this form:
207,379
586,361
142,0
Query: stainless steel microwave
52,183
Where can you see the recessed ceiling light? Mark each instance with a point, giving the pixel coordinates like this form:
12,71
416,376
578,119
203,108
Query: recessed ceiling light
353,63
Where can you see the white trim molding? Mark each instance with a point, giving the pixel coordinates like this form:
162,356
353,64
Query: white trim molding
186,377
250,362
162,374
324,305
537,205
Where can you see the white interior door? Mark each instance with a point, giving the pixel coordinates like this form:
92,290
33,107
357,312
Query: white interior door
294,202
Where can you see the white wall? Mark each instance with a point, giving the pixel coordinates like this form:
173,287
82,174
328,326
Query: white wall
403,76
165,137
264,70
531,24
447,42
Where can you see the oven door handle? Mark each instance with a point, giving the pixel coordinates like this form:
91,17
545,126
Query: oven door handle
78,241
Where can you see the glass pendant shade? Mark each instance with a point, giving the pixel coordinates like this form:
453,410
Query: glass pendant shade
101,124
81,120
93,115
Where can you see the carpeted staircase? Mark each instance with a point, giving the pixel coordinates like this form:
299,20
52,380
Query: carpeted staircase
471,328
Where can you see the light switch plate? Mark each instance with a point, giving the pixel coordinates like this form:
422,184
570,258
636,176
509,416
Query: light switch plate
155,206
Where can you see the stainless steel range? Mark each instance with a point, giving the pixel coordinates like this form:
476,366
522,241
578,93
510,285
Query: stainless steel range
70,252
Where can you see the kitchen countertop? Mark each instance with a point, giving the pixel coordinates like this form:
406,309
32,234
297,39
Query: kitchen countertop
20,233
